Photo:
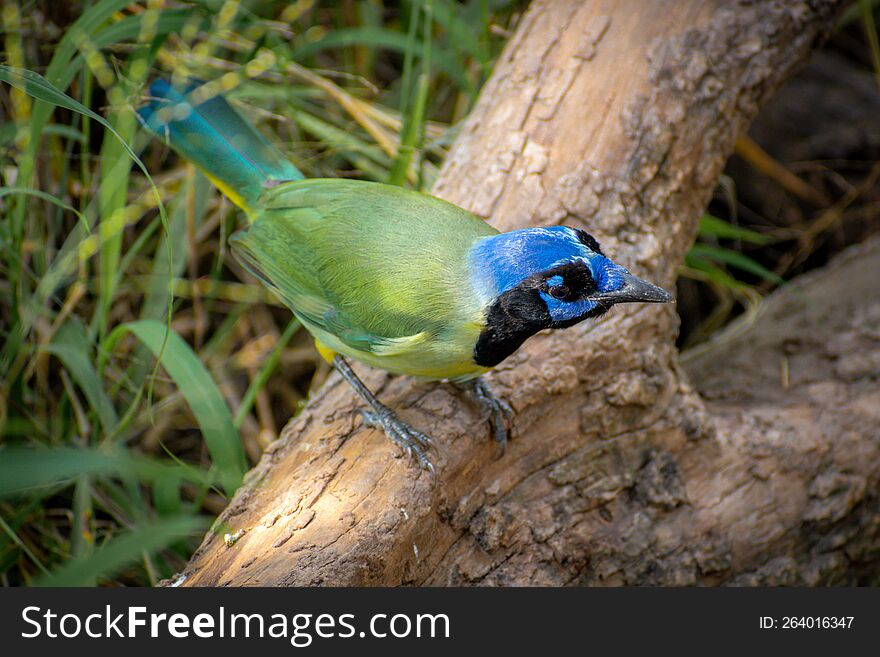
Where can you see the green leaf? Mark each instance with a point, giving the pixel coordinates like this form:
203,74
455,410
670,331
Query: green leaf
166,496
73,348
413,126
343,141
44,196
714,227
713,272
867,12
388,40
124,550
58,73
265,372
37,86
200,392
461,34
24,468
735,259
167,265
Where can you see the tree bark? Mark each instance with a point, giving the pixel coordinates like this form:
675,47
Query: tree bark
616,117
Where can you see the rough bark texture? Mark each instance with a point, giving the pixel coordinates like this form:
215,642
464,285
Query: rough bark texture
618,117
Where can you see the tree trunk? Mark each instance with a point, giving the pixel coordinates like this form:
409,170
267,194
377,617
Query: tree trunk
616,117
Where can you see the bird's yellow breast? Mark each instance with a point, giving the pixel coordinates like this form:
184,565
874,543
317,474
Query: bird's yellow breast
433,357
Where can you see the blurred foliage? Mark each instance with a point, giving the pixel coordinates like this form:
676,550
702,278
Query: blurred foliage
808,190
139,377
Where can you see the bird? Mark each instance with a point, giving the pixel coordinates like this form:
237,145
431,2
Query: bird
390,277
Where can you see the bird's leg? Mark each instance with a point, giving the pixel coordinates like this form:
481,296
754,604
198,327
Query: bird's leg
498,409
379,416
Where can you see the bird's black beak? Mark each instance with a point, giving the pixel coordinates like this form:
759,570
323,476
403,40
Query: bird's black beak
634,290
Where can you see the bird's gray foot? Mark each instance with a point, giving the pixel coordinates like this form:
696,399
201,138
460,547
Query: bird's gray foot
379,416
498,409
410,440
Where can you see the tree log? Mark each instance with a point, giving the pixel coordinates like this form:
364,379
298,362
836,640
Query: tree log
616,117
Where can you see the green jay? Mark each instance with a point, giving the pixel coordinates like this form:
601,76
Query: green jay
393,278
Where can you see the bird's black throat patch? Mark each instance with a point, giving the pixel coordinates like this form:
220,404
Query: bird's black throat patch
519,313
513,317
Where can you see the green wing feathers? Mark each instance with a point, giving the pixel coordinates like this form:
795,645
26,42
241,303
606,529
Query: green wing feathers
344,256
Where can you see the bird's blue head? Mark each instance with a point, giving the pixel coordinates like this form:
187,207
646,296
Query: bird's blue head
539,278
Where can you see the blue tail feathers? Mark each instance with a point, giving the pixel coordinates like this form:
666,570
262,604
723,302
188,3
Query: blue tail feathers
213,136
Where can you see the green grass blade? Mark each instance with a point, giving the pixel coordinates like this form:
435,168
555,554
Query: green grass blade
867,14
128,28
339,140
10,532
386,40
82,532
72,346
166,496
412,134
38,87
714,227
712,272
735,259
413,117
58,73
123,550
200,392
44,196
265,372
460,33
167,264
22,469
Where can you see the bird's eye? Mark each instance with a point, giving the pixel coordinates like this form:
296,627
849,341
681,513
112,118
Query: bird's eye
559,291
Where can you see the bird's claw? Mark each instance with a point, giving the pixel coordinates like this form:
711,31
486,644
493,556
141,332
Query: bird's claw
412,441
498,409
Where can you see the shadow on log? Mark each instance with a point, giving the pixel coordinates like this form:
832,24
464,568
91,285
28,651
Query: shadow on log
617,117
